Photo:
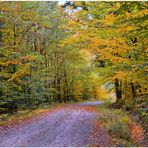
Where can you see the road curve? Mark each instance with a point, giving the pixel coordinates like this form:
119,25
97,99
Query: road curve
66,127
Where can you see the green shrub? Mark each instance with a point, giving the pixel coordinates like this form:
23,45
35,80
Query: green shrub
119,129
3,110
123,143
116,122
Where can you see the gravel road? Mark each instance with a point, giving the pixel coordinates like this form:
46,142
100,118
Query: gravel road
66,127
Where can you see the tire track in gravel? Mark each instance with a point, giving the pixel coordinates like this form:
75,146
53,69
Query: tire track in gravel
70,126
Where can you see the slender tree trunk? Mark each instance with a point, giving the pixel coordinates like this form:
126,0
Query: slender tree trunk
118,90
66,88
35,41
59,89
133,90
14,43
1,27
94,91
101,63
1,35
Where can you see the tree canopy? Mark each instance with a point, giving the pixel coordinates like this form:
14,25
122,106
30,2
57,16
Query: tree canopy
53,53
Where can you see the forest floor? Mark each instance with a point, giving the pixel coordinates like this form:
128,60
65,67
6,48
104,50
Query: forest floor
69,125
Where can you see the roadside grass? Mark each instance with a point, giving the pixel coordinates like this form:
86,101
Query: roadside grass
25,114
117,123
8,120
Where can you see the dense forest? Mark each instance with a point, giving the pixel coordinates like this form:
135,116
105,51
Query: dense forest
74,51
116,32
35,67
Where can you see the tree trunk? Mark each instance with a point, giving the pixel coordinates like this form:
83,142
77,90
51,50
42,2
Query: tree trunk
35,41
118,90
1,27
66,88
14,43
133,90
59,89
102,63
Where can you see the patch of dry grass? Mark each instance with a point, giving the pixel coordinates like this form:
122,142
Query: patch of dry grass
21,116
117,124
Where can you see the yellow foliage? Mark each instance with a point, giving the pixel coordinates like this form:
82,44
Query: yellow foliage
21,73
121,75
101,93
109,19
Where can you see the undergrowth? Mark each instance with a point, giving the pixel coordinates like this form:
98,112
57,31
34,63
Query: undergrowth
23,115
117,124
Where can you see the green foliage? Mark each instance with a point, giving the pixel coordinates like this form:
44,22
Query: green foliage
49,55
116,32
120,129
35,67
117,123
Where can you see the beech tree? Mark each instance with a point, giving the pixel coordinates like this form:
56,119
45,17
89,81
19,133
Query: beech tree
35,67
116,33
52,53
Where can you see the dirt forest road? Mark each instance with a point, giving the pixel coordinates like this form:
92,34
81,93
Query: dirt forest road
69,126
